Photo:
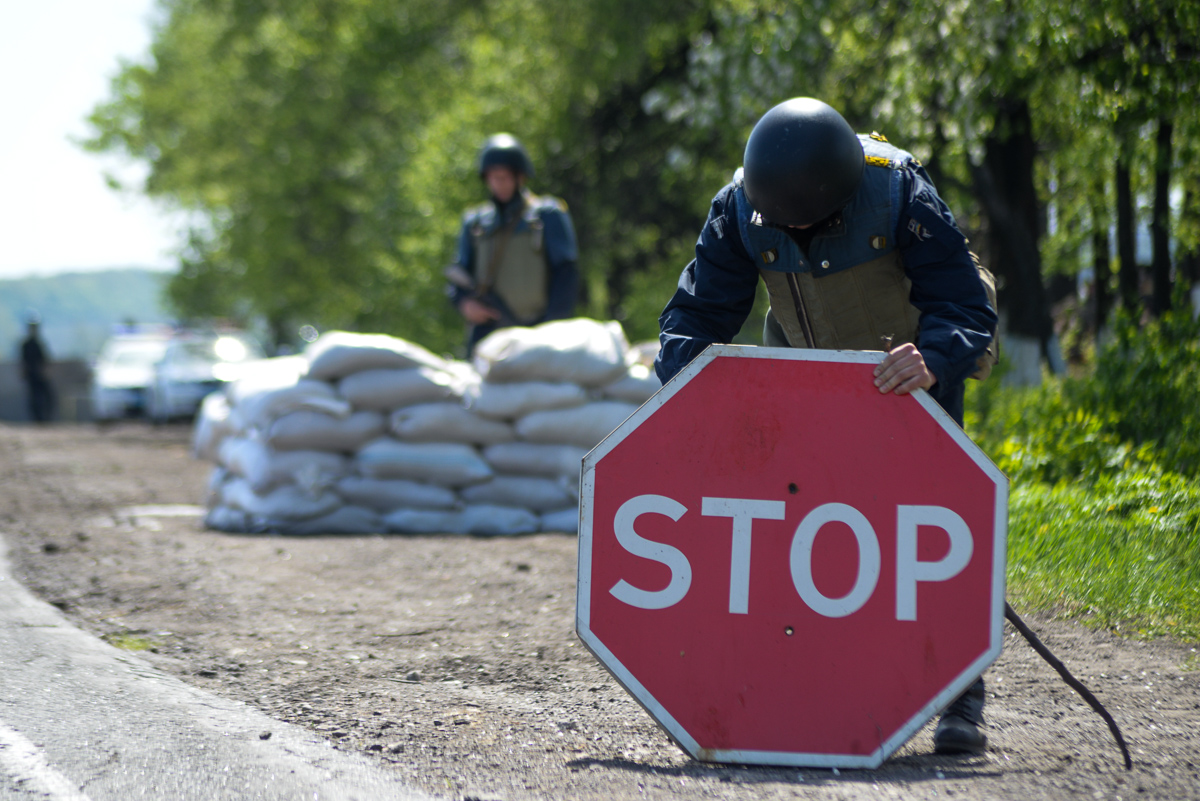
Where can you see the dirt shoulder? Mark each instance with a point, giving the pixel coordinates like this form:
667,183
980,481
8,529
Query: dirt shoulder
453,660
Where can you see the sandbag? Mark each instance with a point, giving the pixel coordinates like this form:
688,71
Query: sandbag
248,458
447,422
265,469
486,520
530,492
265,375
233,521
340,353
637,385
212,490
346,520
385,495
322,432
260,409
478,519
579,351
510,401
446,464
214,423
583,426
424,521
565,521
287,502
536,459
643,353
384,390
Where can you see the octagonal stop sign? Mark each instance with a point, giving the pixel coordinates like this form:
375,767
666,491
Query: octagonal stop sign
785,566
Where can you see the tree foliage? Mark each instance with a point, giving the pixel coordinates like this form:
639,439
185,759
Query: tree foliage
326,147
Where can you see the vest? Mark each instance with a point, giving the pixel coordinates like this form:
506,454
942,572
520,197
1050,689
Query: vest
849,292
510,263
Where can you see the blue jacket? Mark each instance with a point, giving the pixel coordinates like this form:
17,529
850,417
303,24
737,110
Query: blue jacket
716,290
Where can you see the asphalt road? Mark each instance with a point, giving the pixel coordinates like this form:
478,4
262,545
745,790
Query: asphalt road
80,719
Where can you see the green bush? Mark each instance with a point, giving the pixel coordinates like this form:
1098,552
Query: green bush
1139,408
1037,435
1146,386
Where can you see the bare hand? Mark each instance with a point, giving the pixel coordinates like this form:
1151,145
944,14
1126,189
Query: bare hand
903,370
476,312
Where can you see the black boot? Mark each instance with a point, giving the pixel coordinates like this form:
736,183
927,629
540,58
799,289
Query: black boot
958,730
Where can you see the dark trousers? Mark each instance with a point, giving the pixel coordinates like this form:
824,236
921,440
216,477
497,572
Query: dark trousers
41,400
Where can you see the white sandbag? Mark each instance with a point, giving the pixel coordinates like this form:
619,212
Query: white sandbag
424,521
510,401
579,351
265,469
571,486
340,353
233,521
536,459
447,422
531,492
465,374
565,521
265,375
384,390
282,503
447,464
385,495
260,409
312,471
583,426
346,520
486,520
214,423
248,458
322,432
212,491
643,353
637,385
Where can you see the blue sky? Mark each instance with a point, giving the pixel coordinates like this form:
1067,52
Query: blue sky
57,58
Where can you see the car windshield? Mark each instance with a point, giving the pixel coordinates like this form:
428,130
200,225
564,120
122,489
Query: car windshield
133,353
219,349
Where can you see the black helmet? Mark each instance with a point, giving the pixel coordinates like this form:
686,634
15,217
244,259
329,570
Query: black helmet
803,162
503,150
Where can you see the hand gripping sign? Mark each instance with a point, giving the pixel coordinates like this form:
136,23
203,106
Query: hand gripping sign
784,566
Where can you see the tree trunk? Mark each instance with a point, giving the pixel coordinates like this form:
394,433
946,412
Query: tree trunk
1160,226
1004,184
1189,256
1101,269
1126,253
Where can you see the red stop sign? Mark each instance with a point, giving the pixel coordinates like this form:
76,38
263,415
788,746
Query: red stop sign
784,566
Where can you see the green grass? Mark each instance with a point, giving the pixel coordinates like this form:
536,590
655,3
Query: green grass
129,642
1124,554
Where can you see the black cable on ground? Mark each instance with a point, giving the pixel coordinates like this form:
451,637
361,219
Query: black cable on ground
1071,681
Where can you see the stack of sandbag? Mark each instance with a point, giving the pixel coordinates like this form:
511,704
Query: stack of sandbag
371,433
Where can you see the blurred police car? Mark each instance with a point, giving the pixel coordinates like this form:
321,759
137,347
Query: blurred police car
123,372
194,365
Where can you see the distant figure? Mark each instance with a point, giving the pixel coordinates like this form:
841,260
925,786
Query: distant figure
34,360
516,254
